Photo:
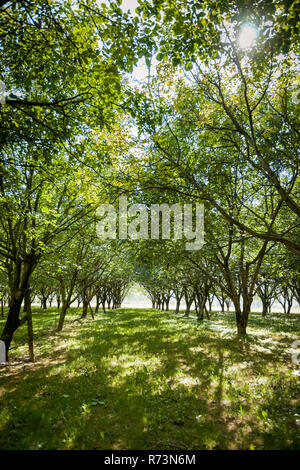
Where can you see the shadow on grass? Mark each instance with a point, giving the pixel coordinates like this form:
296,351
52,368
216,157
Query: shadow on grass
147,380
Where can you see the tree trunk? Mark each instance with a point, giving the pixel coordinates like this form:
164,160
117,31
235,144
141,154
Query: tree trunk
240,317
91,310
200,314
18,289
188,308
289,306
44,303
27,302
264,307
207,313
12,322
85,305
62,315
97,304
241,329
177,305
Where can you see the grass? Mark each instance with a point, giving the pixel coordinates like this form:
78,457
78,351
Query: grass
143,379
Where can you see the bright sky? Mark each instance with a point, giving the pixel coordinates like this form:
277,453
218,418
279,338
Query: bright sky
129,5
126,4
246,39
141,71
247,36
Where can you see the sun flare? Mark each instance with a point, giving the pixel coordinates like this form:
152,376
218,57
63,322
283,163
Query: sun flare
247,36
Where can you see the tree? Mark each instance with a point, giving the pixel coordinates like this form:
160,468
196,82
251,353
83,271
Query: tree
63,89
183,33
33,213
267,282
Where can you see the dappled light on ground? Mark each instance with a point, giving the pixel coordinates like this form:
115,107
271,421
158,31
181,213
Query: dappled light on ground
143,379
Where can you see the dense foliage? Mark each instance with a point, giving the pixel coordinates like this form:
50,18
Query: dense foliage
215,122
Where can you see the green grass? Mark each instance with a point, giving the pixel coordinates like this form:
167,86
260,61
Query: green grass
142,379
